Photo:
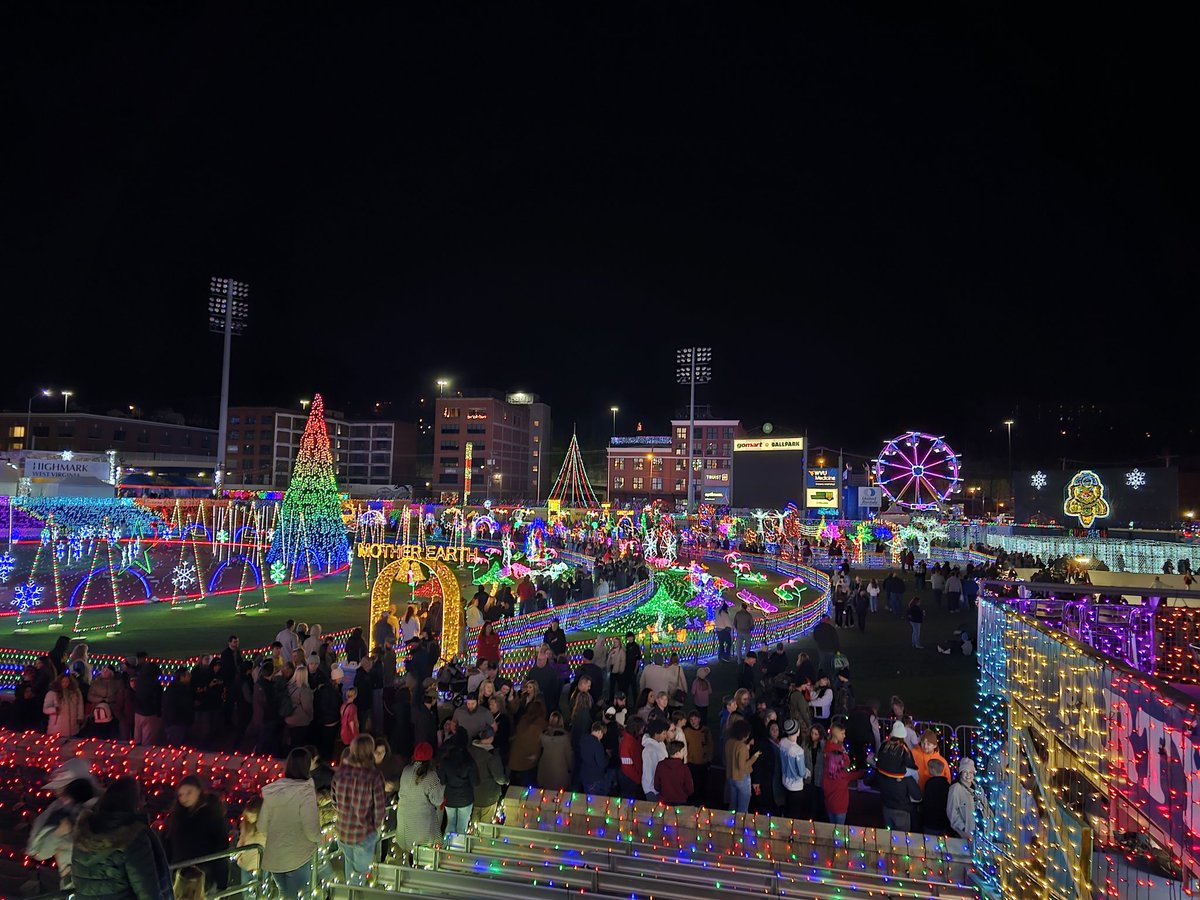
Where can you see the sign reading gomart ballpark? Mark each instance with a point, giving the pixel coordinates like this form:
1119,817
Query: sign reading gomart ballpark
57,467
743,444
412,551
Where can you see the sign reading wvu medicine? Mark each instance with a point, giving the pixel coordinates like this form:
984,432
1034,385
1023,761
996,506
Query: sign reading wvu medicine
412,551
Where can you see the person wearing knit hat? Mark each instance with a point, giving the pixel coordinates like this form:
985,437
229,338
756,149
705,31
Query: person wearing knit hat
418,803
963,800
894,759
793,769
898,730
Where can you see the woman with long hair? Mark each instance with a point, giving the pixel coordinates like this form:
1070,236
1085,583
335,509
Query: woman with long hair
488,645
411,625
418,802
299,720
581,712
249,861
460,776
814,758
64,707
526,748
290,825
196,827
361,801
554,767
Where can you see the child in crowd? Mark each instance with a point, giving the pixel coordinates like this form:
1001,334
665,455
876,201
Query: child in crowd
672,778
248,833
349,729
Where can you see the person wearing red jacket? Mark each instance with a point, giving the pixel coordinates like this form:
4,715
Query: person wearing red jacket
838,774
672,778
488,644
629,776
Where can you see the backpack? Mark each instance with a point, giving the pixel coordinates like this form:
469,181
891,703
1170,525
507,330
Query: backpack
102,713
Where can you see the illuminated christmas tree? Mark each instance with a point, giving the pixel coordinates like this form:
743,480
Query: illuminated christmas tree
572,486
310,531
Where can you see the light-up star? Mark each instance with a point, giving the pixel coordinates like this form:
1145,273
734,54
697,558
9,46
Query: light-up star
1038,480
1135,479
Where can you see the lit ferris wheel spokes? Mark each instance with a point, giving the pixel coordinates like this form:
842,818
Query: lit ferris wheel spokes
917,470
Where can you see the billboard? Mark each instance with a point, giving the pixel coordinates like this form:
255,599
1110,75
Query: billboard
870,497
821,488
1094,498
821,498
768,473
57,467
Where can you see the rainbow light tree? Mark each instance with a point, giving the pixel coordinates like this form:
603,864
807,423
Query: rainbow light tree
309,529
572,486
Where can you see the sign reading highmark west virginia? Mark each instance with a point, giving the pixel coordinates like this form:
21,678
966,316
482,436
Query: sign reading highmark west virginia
57,467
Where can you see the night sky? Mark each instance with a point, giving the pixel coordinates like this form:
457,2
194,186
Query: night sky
880,219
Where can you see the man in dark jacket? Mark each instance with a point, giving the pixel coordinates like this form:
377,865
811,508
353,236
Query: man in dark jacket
117,853
898,795
543,674
492,778
179,710
592,772
589,669
633,665
555,638
147,719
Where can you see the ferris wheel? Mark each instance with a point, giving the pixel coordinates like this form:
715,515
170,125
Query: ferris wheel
917,470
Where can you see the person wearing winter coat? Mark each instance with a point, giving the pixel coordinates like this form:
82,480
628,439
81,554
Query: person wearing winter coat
196,826
700,749
898,796
460,775
592,769
290,825
673,783
299,720
654,751
64,707
557,759
487,646
419,800
963,799
117,855
526,748
702,692
492,779
837,775
615,664
52,833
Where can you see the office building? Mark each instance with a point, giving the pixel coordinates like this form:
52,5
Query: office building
645,468
508,436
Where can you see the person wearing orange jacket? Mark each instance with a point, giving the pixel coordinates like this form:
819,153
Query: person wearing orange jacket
927,749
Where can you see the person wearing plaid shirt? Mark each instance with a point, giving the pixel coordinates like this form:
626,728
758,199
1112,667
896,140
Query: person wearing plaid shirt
358,794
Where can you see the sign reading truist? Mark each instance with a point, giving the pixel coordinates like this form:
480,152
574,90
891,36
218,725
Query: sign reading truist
57,467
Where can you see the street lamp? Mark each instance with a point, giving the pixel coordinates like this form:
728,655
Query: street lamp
1012,490
305,404
228,310
66,395
45,392
693,365
442,384
614,410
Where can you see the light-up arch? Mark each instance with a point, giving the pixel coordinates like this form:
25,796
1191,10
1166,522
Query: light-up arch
452,606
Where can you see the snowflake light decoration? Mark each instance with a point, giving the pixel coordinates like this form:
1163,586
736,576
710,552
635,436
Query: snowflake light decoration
7,565
60,550
1135,479
27,596
278,571
222,536
1038,480
183,576
68,455
75,543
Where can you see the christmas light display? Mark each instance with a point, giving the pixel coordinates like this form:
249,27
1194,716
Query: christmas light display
1038,480
921,532
572,487
310,525
7,564
26,597
97,620
1135,479
1085,498
1114,808
918,470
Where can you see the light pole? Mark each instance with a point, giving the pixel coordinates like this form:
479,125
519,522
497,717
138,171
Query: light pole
1012,489
442,384
227,314
614,410
693,365
45,392
66,395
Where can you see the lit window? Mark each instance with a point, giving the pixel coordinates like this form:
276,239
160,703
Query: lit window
680,487
656,484
451,412
639,465
638,483
619,465
475,412
619,482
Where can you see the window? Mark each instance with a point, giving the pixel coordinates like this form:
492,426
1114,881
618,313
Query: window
537,423
235,420
658,464
16,431
680,486
450,429
727,432
448,478
639,465
250,420
205,441
166,438
475,412
448,461
656,484
231,448
535,468
638,483
680,465
698,434
451,412
696,465
473,429
143,436
712,434
710,464
681,433
235,434
619,483
187,439
449,445
264,449
248,449
535,454
94,431
537,439
618,465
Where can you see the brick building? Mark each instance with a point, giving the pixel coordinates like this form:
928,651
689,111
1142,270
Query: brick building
509,437
644,468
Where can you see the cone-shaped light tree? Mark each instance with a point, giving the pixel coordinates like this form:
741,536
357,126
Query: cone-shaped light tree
309,529
572,486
